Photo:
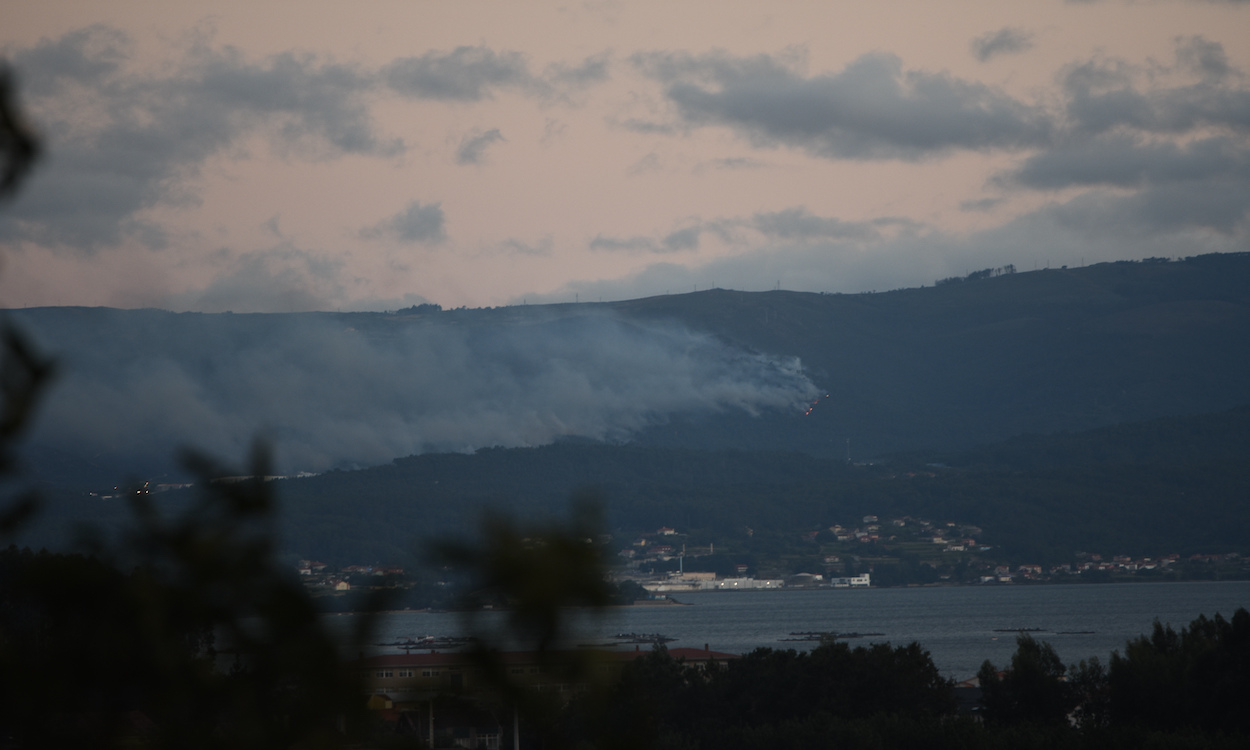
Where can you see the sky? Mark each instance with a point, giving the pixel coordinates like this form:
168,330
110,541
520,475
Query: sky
290,156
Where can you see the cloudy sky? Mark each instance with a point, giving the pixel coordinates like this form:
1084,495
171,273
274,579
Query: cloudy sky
373,155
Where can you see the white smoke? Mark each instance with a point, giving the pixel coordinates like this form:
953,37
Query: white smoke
332,391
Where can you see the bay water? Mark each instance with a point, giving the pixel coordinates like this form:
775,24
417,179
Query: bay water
960,626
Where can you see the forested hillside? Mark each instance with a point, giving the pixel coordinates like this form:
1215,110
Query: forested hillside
1060,410
1174,485
970,362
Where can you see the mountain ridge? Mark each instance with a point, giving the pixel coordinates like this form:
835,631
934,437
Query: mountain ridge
955,365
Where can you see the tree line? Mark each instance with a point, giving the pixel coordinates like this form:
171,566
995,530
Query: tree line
1169,689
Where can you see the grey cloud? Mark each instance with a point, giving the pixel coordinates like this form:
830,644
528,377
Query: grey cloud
1093,227
627,244
311,100
789,225
417,223
682,239
1222,206
590,71
1122,161
472,74
125,141
1005,41
1103,95
679,240
329,395
467,74
870,110
646,127
1160,150
518,247
800,224
1204,57
473,146
1158,219
273,225
88,56
280,279
981,204
1107,225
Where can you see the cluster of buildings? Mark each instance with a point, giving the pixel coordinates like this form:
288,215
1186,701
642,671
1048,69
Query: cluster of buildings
319,576
1093,563
950,536
702,581
664,545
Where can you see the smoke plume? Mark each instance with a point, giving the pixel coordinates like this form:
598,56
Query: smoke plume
330,391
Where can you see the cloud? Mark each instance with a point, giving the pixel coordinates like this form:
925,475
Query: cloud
416,224
591,71
90,56
796,250
343,390
1128,162
1204,57
466,74
1005,41
682,239
473,74
792,225
679,240
872,109
473,145
1103,95
1222,207
646,127
514,246
1157,150
980,204
635,244
800,224
277,280
129,140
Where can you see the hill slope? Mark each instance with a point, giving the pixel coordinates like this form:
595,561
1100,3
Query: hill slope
1168,485
977,361
956,365
718,445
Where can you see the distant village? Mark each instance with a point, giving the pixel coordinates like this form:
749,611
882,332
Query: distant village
662,562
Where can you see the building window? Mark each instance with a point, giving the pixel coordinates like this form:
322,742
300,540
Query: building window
386,673
405,673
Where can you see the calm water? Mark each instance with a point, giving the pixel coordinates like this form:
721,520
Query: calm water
957,625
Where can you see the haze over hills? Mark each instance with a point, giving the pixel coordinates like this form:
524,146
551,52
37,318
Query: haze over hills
706,409
959,364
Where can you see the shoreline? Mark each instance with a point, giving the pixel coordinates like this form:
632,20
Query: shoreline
670,602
